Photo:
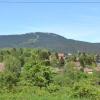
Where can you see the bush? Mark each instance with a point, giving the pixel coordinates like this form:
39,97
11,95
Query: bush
38,75
8,80
52,88
85,89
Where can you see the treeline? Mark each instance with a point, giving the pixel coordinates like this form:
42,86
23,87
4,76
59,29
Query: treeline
26,66
45,69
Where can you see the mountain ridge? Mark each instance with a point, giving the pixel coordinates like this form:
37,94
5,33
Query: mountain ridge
50,41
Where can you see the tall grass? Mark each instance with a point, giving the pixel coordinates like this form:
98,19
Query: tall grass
36,94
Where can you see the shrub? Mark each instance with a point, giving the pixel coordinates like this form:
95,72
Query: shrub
52,88
85,89
8,80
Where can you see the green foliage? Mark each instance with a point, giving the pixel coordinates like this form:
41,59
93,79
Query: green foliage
33,71
44,54
61,62
39,75
54,60
84,89
8,80
13,64
1,58
70,70
86,59
52,88
71,58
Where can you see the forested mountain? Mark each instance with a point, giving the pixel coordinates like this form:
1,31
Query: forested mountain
47,40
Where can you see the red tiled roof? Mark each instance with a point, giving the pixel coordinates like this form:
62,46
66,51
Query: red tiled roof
61,54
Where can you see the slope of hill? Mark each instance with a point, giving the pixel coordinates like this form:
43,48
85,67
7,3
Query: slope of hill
49,41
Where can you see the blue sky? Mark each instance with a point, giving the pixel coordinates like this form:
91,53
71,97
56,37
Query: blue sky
74,21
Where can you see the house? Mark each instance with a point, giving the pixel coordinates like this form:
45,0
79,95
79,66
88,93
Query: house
97,69
88,70
61,56
2,67
69,54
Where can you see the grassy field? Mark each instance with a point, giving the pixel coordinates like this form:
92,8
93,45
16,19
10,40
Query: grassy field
36,94
31,96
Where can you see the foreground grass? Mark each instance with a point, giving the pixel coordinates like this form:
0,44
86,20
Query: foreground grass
35,97
36,94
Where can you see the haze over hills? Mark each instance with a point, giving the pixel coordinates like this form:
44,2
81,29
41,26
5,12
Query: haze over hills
47,40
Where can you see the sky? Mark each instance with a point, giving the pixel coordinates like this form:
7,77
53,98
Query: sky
73,21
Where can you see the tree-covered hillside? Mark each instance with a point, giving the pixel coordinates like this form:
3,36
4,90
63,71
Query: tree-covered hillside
47,40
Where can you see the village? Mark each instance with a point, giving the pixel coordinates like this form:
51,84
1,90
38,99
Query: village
62,57
41,71
89,69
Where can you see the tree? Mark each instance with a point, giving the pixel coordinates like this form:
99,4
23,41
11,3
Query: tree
54,61
61,62
38,75
44,54
1,58
8,80
12,64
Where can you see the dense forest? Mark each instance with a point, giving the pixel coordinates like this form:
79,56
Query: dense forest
49,41
40,74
